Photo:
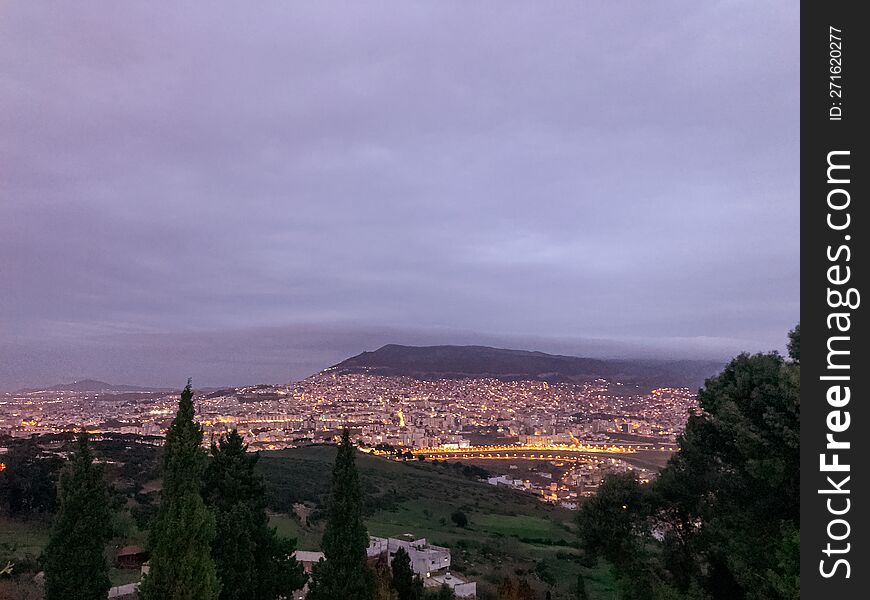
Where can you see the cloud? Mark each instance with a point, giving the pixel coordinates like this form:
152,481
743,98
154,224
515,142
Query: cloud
501,169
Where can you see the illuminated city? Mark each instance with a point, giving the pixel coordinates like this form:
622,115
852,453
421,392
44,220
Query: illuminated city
555,440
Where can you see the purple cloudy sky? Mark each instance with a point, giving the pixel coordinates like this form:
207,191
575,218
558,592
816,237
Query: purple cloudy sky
247,193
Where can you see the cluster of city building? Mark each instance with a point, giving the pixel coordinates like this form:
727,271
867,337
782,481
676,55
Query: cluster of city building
444,419
399,411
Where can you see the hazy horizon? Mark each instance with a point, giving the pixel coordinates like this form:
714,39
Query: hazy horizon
318,350
245,196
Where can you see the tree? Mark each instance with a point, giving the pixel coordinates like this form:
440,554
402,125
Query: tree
343,573
383,582
27,485
737,473
459,518
515,589
180,539
726,507
441,593
794,344
609,523
252,560
75,563
407,585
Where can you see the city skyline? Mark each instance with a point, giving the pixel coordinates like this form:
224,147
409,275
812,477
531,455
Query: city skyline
249,197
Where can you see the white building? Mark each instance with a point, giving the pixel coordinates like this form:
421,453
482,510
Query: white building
425,558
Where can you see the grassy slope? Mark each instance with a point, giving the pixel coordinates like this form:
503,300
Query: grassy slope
509,532
23,538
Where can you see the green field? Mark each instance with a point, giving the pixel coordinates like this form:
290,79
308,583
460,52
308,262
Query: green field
509,533
22,539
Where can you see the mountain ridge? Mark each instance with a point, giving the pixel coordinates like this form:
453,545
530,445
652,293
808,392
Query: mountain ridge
91,385
459,362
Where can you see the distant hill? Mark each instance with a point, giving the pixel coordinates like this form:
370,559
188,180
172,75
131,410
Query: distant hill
92,385
456,362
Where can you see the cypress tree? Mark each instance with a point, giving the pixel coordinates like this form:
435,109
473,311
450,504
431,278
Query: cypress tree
383,582
181,536
75,563
344,574
254,563
407,586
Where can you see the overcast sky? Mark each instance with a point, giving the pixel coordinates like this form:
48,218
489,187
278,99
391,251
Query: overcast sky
249,192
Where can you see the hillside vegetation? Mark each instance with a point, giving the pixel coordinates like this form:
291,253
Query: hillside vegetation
509,533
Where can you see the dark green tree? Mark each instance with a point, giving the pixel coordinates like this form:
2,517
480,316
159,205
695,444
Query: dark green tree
181,536
383,582
794,344
27,485
407,585
441,593
75,561
252,560
610,524
459,518
344,573
726,507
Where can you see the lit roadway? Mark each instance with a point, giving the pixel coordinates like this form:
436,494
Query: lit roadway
547,452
